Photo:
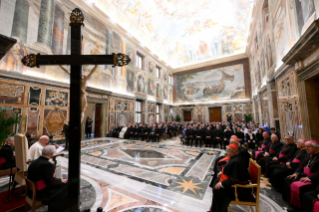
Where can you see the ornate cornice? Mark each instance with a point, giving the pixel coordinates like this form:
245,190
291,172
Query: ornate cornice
306,44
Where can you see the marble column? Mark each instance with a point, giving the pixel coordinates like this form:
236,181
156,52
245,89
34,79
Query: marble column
259,109
46,22
20,20
146,111
58,31
6,16
270,106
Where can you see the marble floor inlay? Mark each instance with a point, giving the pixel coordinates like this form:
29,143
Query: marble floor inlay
137,176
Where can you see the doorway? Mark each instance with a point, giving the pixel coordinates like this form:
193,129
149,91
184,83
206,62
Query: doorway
94,112
215,114
187,116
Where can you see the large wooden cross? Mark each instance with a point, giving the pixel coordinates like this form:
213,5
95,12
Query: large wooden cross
76,60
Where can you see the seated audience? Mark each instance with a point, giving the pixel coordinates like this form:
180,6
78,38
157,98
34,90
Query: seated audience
122,132
264,147
273,152
35,150
305,178
259,137
310,201
218,136
240,135
200,133
273,131
235,172
281,171
250,139
285,154
6,154
166,132
51,191
208,137
227,134
243,153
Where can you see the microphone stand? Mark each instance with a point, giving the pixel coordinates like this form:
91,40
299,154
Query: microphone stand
8,198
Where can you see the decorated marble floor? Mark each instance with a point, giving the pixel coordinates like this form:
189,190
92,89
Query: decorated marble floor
134,176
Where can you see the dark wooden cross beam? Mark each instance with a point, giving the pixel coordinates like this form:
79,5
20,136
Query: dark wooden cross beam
76,60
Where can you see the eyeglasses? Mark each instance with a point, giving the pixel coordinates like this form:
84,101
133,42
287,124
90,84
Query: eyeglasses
309,146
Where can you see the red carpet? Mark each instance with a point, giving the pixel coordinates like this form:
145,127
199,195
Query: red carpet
14,205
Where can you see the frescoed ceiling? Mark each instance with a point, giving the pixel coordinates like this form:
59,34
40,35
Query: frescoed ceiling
184,32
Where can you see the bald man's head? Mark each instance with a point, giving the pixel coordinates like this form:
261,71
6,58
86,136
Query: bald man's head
48,151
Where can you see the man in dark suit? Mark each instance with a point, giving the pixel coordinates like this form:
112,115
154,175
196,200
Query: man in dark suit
208,137
6,155
51,191
218,134
154,130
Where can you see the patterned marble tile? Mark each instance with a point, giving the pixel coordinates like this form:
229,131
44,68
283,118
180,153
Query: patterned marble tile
173,170
144,174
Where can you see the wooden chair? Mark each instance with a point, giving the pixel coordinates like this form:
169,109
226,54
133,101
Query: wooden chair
31,203
255,173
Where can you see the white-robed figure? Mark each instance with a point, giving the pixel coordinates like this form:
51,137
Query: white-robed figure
35,152
121,135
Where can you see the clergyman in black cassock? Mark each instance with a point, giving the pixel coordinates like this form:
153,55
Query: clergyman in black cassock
287,152
227,134
274,151
243,153
50,190
6,155
218,136
306,177
257,155
310,201
235,172
281,171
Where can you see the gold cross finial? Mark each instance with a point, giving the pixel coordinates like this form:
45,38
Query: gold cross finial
30,60
77,16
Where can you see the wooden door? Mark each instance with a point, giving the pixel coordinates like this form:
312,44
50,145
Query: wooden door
215,114
187,116
98,121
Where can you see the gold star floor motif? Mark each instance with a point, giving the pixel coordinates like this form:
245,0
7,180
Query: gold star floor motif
188,186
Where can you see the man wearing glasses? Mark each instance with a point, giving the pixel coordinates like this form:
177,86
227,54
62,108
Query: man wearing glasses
305,178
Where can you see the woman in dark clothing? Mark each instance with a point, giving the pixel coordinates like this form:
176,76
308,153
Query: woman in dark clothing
259,137
251,140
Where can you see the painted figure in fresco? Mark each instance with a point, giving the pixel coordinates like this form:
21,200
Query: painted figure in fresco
85,78
269,52
151,67
150,88
158,92
308,8
130,81
140,84
12,60
131,56
203,47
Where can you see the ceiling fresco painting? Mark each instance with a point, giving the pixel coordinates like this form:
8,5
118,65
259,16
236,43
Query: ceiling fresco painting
184,32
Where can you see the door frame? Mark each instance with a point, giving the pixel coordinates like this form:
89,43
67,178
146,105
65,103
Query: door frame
187,110
221,114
